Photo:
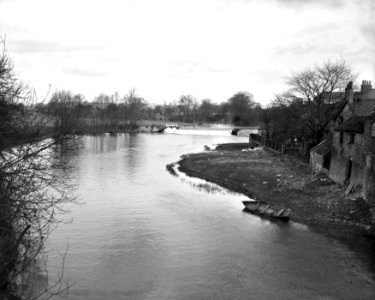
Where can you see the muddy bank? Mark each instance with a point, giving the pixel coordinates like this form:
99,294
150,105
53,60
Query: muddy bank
263,175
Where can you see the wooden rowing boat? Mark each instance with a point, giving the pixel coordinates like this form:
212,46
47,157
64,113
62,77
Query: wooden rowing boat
267,210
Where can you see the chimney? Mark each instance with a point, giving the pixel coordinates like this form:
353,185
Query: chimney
366,85
349,92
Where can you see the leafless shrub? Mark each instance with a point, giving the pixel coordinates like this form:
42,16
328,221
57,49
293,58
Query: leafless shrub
34,182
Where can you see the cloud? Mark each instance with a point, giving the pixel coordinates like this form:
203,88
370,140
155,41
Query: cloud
25,46
84,72
359,13
304,3
185,66
322,38
195,66
179,63
177,76
211,69
298,48
368,29
269,75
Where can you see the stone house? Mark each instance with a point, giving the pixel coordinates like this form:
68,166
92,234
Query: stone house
337,113
353,154
359,103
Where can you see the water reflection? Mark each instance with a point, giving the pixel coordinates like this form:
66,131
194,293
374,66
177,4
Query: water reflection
134,155
102,143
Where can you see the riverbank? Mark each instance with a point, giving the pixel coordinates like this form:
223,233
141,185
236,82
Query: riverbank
260,174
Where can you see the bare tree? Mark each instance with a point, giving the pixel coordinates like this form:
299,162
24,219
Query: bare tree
135,106
32,178
187,106
320,87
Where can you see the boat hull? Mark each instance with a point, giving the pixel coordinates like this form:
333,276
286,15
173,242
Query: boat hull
265,209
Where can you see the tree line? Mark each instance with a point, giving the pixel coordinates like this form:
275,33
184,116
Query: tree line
114,113
300,113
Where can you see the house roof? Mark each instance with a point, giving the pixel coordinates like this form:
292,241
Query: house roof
368,94
353,124
335,109
356,123
324,147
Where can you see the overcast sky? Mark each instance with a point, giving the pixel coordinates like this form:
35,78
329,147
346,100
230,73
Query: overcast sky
167,48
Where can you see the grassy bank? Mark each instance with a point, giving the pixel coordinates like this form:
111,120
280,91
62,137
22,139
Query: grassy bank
264,175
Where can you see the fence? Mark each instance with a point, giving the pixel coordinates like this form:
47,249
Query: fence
297,150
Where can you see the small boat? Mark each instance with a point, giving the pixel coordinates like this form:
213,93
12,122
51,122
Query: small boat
267,210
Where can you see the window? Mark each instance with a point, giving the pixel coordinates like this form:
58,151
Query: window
341,137
373,130
351,138
349,166
341,119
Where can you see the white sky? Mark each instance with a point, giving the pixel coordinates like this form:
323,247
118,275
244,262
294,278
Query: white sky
167,48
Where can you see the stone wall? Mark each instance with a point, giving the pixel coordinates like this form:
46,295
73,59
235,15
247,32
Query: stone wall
369,170
342,153
316,161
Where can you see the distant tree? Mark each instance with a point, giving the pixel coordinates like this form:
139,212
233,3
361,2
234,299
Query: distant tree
103,99
135,106
240,106
67,110
208,111
171,112
224,112
158,109
115,98
187,105
282,119
100,105
255,114
319,87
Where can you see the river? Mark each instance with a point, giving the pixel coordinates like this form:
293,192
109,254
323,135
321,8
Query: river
141,233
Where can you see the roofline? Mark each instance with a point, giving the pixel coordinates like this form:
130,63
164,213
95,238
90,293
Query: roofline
349,130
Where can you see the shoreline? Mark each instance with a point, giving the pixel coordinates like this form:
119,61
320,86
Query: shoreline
314,200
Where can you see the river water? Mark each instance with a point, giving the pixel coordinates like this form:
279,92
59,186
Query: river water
141,233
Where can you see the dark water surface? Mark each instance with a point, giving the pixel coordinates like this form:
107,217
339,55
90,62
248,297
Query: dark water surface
144,234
